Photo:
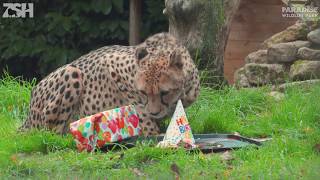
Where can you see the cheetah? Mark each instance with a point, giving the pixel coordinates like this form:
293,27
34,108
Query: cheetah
153,76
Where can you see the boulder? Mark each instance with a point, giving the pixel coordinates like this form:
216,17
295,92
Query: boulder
240,79
262,74
304,69
298,31
278,96
259,57
285,52
314,36
297,84
309,54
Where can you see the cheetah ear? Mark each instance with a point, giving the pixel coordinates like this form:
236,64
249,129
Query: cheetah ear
141,52
176,59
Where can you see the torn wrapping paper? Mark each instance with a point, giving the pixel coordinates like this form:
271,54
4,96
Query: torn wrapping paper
179,131
105,127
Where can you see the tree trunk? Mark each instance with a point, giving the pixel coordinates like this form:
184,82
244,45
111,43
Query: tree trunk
135,20
203,27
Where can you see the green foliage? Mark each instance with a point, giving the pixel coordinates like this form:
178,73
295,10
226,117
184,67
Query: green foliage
292,123
63,30
217,111
15,96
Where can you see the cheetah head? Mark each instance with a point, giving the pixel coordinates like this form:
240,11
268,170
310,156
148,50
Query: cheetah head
159,81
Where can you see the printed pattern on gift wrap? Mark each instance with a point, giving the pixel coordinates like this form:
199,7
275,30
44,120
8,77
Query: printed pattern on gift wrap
105,127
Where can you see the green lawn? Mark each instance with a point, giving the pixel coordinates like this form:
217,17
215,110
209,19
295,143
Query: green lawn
292,123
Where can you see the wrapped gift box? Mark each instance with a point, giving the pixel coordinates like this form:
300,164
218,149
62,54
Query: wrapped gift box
105,127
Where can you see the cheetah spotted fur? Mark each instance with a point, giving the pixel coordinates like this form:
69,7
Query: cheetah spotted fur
153,76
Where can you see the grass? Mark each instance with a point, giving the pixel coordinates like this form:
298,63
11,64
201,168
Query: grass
292,123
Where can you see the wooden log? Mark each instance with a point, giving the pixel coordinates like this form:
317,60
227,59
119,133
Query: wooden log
134,22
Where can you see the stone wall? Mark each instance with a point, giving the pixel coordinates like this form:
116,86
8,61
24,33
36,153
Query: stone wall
291,55
254,22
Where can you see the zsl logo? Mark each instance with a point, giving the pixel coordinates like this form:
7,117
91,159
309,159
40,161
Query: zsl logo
17,10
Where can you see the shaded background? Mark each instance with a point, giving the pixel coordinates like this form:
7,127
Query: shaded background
62,31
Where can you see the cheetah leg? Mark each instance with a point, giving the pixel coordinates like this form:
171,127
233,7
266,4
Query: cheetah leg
149,127
34,120
35,115
60,111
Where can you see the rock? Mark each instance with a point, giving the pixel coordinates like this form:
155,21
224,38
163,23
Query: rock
304,69
298,31
309,54
137,172
316,148
278,96
227,156
285,52
315,3
240,79
262,74
299,44
259,57
314,36
297,84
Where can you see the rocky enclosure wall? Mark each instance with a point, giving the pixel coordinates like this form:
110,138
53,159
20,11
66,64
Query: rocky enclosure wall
291,55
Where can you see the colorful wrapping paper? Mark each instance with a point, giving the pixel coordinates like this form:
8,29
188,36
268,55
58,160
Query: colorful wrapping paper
179,131
105,127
